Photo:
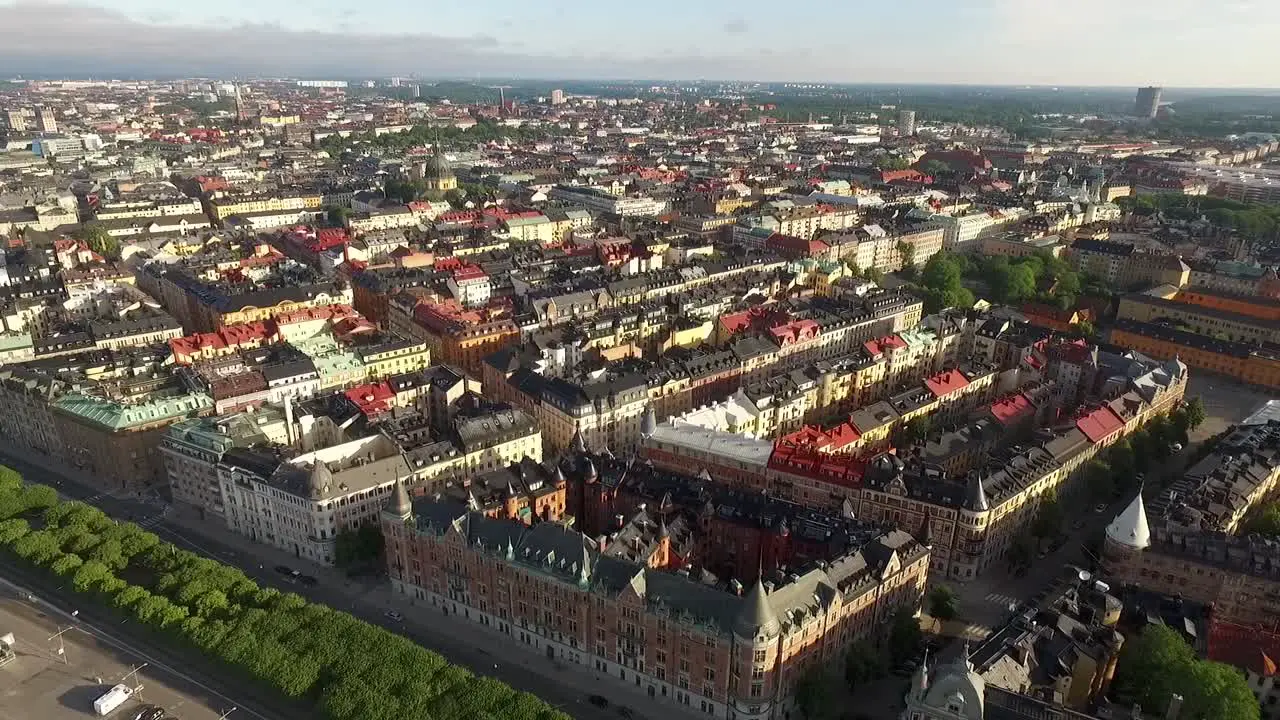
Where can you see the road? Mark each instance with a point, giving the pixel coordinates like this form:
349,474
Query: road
39,684
461,644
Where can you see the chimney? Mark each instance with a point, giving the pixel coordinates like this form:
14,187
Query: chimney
288,419
620,519
1175,707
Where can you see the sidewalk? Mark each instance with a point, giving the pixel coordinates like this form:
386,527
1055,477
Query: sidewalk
485,651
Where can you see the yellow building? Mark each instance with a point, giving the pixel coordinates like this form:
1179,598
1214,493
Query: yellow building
222,208
394,357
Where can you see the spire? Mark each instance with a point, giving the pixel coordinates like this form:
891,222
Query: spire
584,572
578,444
560,478
1130,527
920,683
649,425
925,535
401,504
975,497
589,470
662,527
756,616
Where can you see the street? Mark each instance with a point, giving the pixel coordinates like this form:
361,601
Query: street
60,678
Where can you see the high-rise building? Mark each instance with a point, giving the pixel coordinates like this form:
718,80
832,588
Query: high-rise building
557,97
417,91
906,123
1147,103
45,120
14,120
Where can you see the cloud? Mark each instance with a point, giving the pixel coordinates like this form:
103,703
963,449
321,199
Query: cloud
736,27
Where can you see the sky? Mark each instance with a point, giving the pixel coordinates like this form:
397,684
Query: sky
1175,43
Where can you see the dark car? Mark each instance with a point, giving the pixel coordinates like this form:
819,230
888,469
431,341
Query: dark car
150,712
307,580
284,569
599,701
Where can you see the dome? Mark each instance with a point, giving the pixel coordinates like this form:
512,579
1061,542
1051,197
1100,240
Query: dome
320,480
957,689
437,167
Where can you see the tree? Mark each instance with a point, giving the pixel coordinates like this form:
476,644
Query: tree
908,253
863,664
942,603
1048,517
934,167
96,237
66,564
1158,663
1264,520
90,576
814,692
1193,410
891,162
13,529
40,547
1098,478
337,215
358,548
904,636
916,430
1021,284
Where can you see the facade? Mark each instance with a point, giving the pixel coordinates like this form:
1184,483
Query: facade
730,652
1147,102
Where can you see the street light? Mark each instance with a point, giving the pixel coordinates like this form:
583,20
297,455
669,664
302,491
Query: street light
62,648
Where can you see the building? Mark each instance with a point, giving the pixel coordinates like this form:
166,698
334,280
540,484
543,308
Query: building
557,97
1256,364
46,121
1186,548
437,175
906,123
601,201
1147,102
620,608
1254,651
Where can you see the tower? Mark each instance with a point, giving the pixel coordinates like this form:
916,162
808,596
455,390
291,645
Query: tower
755,639
46,122
1127,536
905,123
1147,102
437,175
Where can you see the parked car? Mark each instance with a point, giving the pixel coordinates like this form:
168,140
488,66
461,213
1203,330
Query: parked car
150,712
599,701
1100,508
393,615
308,580
284,570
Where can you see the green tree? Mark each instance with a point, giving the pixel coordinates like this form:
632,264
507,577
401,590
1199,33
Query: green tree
66,564
13,529
40,547
934,168
90,576
1048,520
337,215
943,603
905,636
908,253
814,693
95,236
37,497
1099,478
1193,410
1158,663
891,162
1022,283
358,548
862,663
916,430
1264,520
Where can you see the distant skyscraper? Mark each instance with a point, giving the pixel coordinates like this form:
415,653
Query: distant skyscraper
1147,103
906,123
417,91
45,120
557,97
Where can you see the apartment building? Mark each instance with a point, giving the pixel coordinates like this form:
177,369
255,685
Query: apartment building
221,208
619,611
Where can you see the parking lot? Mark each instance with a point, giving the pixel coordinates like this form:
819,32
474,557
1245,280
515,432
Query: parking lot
37,684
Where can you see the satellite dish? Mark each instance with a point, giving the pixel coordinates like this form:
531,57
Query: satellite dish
1085,575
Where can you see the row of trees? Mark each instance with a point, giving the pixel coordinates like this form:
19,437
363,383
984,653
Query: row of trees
1158,663
347,668
1115,472
1252,220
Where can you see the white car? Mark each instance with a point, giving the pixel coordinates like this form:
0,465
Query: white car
393,615
1177,447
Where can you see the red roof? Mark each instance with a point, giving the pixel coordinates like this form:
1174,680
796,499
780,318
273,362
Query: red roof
1099,424
843,470
371,399
1006,410
813,437
946,382
886,343
1249,648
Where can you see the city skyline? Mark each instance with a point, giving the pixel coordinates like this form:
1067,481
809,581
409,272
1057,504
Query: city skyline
994,42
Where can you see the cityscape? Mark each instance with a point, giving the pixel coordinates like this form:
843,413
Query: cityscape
356,396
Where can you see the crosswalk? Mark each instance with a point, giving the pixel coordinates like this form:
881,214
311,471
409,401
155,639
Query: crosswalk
148,523
1002,600
95,498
